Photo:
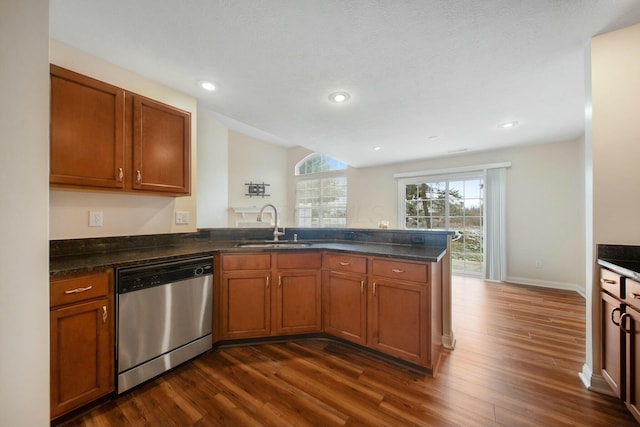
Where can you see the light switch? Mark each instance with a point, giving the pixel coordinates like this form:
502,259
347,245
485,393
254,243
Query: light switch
95,219
182,217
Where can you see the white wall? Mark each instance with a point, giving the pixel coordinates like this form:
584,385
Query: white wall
615,136
24,246
253,160
124,214
545,200
213,171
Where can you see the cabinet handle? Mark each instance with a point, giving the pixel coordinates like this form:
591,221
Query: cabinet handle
612,313
634,295
362,286
344,263
608,281
267,281
279,281
374,288
139,176
104,314
78,290
622,323
120,174
397,270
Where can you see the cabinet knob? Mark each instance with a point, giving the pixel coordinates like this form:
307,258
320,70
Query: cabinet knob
397,270
120,174
104,314
344,263
138,176
362,286
608,281
267,281
634,295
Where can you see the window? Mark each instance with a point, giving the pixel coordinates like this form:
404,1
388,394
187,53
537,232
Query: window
321,192
452,203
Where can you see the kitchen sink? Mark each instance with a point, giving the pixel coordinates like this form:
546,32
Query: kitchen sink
274,244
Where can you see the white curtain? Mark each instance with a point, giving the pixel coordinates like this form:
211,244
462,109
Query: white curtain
495,238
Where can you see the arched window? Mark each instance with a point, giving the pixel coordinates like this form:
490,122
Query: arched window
317,163
321,192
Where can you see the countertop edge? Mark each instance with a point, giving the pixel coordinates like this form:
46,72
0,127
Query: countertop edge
618,267
61,266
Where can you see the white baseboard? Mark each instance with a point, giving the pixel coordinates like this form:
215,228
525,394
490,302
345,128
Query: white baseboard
449,341
547,284
594,382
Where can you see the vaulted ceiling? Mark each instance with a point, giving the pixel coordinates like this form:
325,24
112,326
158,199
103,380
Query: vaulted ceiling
426,78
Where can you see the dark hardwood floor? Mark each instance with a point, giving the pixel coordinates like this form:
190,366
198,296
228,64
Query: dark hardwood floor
516,363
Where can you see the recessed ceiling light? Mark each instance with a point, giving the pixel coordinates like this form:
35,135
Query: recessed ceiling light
207,86
339,97
377,148
507,125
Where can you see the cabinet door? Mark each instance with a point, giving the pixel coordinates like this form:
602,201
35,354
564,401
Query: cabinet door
86,131
246,304
345,306
629,325
161,147
398,320
81,357
298,302
612,347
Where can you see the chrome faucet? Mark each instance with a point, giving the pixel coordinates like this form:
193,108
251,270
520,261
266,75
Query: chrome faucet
276,233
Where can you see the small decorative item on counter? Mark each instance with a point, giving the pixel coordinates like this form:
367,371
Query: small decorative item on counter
383,224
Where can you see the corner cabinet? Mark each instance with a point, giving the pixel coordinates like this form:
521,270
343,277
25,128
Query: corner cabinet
102,137
264,294
82,341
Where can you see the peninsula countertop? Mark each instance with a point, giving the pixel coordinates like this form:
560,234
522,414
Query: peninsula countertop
97,257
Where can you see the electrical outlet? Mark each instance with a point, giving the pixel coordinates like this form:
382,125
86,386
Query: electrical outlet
182,217
96,219
538,264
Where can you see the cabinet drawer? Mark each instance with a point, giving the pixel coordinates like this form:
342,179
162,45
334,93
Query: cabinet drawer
632,293
611,282
259,261
79,288
298,260
350,263
394,269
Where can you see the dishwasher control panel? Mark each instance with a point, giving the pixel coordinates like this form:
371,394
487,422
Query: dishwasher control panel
149,275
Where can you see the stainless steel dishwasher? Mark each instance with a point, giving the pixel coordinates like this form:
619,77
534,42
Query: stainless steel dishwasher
164,317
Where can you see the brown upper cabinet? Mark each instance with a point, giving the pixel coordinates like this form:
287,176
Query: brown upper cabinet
103,137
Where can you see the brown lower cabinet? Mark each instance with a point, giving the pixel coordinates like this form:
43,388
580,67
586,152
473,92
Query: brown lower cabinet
620,345
82,337
344,288
265,294
389,305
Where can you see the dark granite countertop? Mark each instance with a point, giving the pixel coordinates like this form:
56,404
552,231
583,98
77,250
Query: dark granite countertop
83,261
621,259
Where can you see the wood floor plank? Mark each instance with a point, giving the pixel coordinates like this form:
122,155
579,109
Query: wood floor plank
519,351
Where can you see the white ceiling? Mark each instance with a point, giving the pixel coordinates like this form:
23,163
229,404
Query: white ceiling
426,77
